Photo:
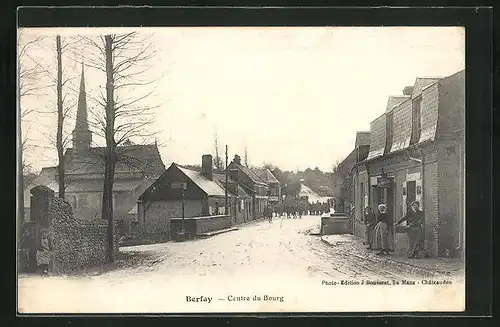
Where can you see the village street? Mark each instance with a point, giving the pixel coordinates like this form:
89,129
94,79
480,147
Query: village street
277,259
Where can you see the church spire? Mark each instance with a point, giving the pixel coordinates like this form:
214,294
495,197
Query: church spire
81,134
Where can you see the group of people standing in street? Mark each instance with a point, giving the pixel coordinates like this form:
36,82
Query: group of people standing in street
318,208
380,229
288,211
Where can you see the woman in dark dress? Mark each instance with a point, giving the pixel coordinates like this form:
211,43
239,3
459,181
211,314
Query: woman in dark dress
381,239
370,221
415,220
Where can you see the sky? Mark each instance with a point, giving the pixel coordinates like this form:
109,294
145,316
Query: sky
293,97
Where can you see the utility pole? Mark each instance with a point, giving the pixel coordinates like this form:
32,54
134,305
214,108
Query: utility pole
226,209
183,188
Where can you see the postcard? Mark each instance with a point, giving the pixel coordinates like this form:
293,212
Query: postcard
241,169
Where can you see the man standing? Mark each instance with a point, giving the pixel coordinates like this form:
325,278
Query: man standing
415,220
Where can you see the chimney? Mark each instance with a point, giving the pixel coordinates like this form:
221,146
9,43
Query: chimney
408,90
237,159
206,166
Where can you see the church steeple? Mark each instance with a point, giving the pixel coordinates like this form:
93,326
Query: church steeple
82,137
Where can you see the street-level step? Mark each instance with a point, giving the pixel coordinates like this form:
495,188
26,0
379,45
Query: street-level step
216,232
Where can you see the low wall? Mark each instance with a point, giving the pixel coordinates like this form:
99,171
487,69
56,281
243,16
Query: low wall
77,245
335,225
195,226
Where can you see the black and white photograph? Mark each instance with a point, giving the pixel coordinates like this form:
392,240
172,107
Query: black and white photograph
241,169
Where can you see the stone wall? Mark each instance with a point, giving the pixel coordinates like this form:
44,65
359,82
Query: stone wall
335,225
157,214
76,245
199,225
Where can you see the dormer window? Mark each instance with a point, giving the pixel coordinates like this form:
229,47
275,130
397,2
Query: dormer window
416,119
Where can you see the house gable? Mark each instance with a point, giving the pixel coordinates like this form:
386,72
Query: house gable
162,189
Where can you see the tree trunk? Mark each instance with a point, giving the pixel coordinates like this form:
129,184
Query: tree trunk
110,153
60,120
20,175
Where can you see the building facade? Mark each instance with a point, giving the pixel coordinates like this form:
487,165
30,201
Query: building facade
417,153
274,191
200,193
253,184
342,177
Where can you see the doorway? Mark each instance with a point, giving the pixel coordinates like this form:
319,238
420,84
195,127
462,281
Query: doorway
386,195
411,194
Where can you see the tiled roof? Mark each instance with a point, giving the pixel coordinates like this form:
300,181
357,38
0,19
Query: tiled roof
377,136
429,116
422,82
94,185
210,187
402,127
265,175
143,159
221,180
214,187
358,154
362,138
252,175
393,101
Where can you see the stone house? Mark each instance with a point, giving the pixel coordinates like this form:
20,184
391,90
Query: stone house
255,185
204,195
417,153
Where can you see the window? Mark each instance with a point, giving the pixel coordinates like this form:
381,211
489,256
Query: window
416,119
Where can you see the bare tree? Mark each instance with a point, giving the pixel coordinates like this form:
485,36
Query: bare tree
28,84
218,162
63,107
60,120
125,60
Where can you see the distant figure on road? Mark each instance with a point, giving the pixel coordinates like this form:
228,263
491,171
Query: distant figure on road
268,213
370,221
